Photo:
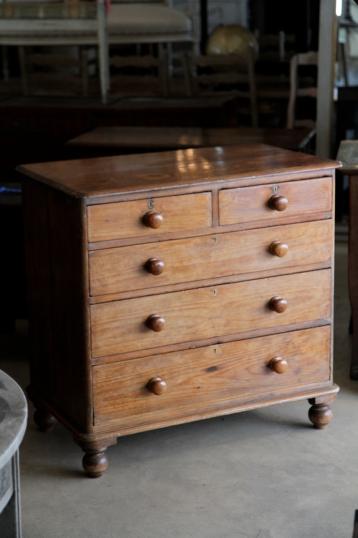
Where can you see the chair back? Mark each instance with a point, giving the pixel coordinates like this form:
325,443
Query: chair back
215,74
301,86
275,47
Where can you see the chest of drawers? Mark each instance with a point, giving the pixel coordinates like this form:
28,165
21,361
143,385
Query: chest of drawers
172,287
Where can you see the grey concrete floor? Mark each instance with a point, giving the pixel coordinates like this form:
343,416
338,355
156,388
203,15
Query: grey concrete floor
260,474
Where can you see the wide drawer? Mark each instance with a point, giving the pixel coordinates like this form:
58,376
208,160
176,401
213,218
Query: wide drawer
207,379
151,216
186,260
199,314
275,203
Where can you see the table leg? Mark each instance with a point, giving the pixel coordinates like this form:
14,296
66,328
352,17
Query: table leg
353,270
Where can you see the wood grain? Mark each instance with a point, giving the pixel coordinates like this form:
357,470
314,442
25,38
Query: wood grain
125,219
108,176
187,260
207,378
253,203
56,269
119,326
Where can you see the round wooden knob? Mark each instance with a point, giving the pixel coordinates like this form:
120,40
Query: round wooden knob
278,304
153,219
278,249
155,322
157,385
154,266
278,365
278,202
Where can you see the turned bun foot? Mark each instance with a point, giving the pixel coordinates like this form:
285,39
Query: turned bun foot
95,464
320,414
44,420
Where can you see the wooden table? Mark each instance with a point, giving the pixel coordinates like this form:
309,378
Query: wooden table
348,155
171,287
112,140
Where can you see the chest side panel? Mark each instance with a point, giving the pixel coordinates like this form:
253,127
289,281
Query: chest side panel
57,284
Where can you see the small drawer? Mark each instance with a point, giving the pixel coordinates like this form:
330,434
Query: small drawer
152,265
152,216
275,203
204,380
133,325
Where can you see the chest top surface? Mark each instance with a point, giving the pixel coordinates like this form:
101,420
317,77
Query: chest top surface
121,175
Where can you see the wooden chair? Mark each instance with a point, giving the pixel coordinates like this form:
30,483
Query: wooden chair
153,22
275,47
223,74
47,71
140,71
307,89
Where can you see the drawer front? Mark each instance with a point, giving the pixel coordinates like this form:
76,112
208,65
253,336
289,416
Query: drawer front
151,216
228,309
186,260
205,379
261,203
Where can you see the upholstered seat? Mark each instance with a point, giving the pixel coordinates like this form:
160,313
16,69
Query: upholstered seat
147,21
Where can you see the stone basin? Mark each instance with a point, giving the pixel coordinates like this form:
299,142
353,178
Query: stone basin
13,420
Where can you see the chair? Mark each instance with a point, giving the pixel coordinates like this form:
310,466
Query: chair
56,23
148,72
301,87
153,22
224,74
275,47
47,71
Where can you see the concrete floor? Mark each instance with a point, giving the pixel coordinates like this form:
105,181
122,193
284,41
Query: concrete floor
260,474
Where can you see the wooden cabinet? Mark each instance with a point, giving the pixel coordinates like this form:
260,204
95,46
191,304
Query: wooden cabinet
171,287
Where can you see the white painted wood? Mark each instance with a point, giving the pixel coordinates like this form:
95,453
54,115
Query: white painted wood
88,29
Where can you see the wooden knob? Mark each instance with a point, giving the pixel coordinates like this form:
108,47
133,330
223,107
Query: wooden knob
155,322
153,219
157,385
278,304
154,266
278,202
278,249
278,365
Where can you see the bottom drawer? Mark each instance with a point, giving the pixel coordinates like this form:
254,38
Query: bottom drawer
206,379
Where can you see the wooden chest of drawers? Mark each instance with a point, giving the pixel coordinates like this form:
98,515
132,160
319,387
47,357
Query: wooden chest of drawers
171,287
